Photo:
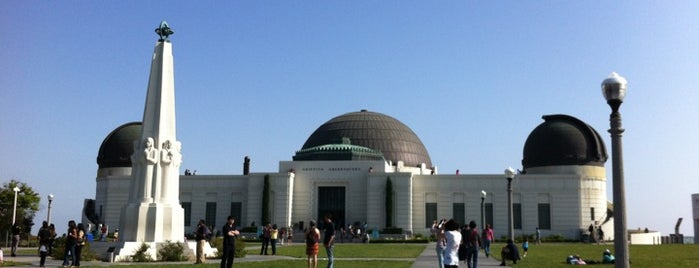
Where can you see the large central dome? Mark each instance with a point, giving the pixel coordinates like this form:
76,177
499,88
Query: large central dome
376,131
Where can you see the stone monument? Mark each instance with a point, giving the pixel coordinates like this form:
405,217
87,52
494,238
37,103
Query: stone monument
153,213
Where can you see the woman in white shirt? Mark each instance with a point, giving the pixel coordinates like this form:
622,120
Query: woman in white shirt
451,256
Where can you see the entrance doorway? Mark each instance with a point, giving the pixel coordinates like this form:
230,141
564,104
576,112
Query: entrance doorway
331,200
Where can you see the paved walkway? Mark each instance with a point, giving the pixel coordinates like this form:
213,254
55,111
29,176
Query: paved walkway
428,259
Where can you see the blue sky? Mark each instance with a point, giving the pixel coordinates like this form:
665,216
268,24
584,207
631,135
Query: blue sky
256,78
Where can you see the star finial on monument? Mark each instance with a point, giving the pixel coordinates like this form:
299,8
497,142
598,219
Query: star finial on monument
164,31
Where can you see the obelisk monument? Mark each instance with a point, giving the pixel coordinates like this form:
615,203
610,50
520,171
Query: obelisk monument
153,213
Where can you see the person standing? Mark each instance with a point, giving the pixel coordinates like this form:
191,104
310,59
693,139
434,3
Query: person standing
441,242
52,238
71,240
488,238
230,232
273,236
474,242
453,238
200,235
538,236
329,239
312,236
79,243
266,229
16,230
43,237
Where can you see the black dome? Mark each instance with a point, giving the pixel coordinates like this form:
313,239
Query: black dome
563,140
375,131
117,147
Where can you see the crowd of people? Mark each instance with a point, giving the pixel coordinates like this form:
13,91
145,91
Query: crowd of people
456,243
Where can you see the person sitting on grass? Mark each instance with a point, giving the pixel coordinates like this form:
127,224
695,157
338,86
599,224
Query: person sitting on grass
509,252
607,257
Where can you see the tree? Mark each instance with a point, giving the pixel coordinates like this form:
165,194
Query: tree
265,201
27,206
389,202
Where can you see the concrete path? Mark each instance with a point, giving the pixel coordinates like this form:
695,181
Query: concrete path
428,259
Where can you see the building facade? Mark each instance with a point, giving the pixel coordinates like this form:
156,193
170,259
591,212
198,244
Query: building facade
343,169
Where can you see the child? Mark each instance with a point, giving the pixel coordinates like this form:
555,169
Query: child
525,247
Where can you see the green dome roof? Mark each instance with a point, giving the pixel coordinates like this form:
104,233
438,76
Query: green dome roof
563,140
385,134
344,151
117,147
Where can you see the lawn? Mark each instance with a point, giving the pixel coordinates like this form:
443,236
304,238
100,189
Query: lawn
350,250
554,255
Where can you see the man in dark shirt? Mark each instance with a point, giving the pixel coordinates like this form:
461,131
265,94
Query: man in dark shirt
329,239
229,235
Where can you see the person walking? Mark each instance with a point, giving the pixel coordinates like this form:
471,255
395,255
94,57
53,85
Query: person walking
329,239
538,236
43,236
201,234
473,244
16,231
312,236
79,243
453,238
488,238
230,232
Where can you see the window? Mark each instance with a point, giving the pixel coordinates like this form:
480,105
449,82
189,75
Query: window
430,214
592,214
517,215
210,216
187,206
545,216
236,212
459,212
489,214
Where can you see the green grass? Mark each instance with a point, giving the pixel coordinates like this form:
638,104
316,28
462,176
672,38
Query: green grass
350,250
554,255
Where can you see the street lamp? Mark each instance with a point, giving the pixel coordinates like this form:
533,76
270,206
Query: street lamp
14,211
614,90
483,195
48,217
510,174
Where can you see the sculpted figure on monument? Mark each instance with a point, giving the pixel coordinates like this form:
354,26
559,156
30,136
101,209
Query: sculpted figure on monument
151,155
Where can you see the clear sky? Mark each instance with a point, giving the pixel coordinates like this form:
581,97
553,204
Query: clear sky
472,79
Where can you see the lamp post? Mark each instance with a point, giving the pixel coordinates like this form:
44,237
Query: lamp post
614,90
48,217
510,174
483,195
14,211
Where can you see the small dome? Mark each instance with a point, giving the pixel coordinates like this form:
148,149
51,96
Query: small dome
375,131
563,140
117,147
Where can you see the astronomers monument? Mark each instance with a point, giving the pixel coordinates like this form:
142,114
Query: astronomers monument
153,213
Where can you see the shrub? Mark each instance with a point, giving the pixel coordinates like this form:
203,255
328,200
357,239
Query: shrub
172,252
249,229
392,230
239,247
59,250
141,254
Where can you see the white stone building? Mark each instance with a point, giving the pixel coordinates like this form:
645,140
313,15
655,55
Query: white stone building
343,168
